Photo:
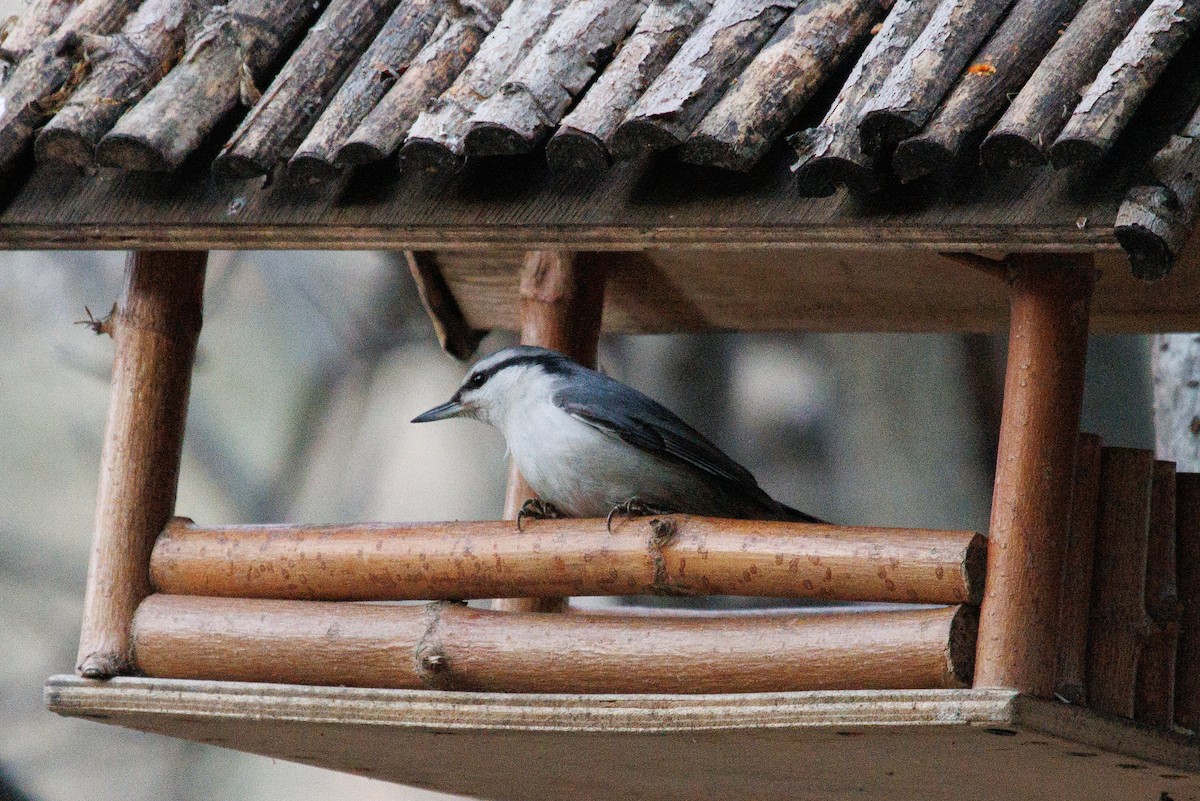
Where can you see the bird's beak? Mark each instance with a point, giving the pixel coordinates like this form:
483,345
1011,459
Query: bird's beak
451,408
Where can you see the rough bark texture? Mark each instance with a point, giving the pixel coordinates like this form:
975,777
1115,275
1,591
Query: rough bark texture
50,72
1075,607
38,21
1176,364
806,49
450,647
1000,68
1024,134
155,330
125,67
1156,221
1187,552
1154,695
913,90
401,38
831,154
1124,81
430,73
454,333
701,72
303,88
582,144
229,57
436,141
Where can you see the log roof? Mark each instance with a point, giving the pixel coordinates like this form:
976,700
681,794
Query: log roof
953,124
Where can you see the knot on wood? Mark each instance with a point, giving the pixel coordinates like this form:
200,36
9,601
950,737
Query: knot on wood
102,325
664,533
254,39
118,47
432,663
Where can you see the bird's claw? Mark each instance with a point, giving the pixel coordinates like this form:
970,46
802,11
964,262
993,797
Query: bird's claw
634,507
537,509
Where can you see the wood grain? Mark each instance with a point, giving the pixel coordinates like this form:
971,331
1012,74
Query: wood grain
1075,607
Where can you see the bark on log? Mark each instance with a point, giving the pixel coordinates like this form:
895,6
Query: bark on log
430,73
1187,545
48,75
806,49
125,67
303,88
1124,81
1155,222
831,154
1176,367
913,90
701,72
1154,696
1024,134
454,333
1075,607
436,140
1000,68
582,146
40,19
532,101
401,38
155,330
1120,626
230,56
670,555
451,647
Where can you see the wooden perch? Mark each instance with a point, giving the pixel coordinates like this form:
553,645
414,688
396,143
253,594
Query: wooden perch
50,72
1033,121
125,67
673,555
224,64
448,646
302,89
831,154
913,90
701,72
401,38
1156,221
1124,81
999,69
806,49
1154,701
436,140
1120,626
1187,552
454,333
582,144
1075,606
430,73
39,20
532,101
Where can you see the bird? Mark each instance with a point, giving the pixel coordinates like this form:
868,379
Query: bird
591,446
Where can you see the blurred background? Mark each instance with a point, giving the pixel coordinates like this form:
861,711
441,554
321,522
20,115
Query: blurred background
309,369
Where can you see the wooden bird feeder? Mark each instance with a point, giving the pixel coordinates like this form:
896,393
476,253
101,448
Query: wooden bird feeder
564,169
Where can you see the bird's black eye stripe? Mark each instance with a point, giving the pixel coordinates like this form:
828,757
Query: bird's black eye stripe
551,363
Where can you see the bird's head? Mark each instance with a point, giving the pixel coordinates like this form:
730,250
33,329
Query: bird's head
499,382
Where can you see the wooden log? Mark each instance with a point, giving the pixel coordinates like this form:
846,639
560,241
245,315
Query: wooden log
582,144
125,66
50,73
226,61
1154,693
451,647
915,88
806,49
454,333
155,329
670,555
1120,626
1124,81
701,72
436,140
999,69
1043,388
831,154
1155,221
1187,545
532,101
303,88
401,38
39,20
430,73
1075,606
1175,361
1033,121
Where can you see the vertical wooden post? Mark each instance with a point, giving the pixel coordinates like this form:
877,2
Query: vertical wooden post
1076,599
1187,555
1154,695
1018,643
155,328
562,301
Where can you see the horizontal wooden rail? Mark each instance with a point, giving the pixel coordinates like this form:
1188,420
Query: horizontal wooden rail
675,554
450,646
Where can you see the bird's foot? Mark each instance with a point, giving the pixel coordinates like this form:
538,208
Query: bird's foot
537,509
634,507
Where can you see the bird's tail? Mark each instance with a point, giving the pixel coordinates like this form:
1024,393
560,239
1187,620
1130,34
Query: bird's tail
796,516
